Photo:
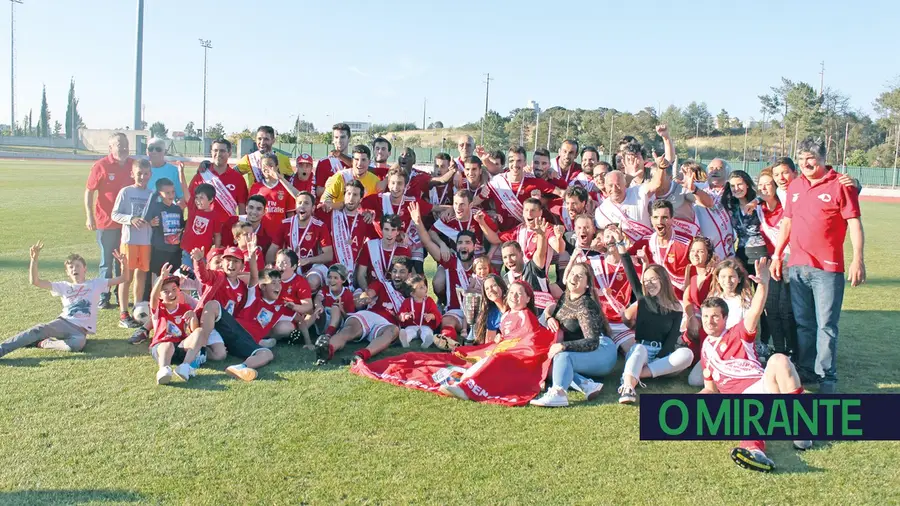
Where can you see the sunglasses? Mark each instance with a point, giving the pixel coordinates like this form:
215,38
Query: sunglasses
155,148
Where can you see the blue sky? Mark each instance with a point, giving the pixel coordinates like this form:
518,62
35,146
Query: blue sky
274,60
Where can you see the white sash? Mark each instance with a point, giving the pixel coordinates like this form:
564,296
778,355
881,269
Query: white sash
659,257
436,199
584,180
460,166
463,280
297,237
375,255
567,220
684,230
542,298
255,161
223,196
447,230
610,212
336,164
769,231
598,264
503,190
343,237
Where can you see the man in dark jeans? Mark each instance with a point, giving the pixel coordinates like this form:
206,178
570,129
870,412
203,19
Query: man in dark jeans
824,211
108,175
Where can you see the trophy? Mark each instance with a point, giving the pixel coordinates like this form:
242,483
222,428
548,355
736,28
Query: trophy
471,306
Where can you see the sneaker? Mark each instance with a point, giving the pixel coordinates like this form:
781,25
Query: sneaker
803,445
755,460
127,322
200,360
140,335
164,375
268,342
553,398
323,350
627,395
591,389
241,372
185,371
106,304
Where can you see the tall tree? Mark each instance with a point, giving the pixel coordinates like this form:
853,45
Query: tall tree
72,112
216,131
159,130
804,110
723,120
697,114
57,128
43,129
495,135
191,133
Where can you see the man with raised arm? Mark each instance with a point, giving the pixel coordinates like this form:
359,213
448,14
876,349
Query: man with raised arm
730,365
625,207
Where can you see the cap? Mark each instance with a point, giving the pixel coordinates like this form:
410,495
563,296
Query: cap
304,158
235,252
214,252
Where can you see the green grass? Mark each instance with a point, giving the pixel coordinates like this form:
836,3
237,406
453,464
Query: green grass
93,427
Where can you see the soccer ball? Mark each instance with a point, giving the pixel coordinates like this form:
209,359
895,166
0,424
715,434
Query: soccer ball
142,312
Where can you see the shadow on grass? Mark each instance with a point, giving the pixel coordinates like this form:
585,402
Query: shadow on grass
68,496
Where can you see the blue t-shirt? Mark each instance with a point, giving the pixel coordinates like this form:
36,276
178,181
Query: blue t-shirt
493,318
167,171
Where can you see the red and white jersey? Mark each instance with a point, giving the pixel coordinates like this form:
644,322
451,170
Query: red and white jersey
216,286
348,235
230,181
419,310
381,204
448,231
730,361
307,240
383,305
278,200
610,279
170,326
326,168
528,240
387,256
674,258
259,315
457,276
295,289
502,193
303,185
345,296
265,231
200,229
440,195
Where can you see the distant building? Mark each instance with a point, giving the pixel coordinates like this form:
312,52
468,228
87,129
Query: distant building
177,136
358,126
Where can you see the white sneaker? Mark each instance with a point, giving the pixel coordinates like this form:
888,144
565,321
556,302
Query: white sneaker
553,398
627,395
185,371
164,375
591,389
267,342
803,445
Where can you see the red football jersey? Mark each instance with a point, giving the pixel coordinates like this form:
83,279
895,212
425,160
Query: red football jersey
260,260
377,204
419,310
217,287
386,257
295,289
308,240
451,268
674,258
170,326
302,185
383,305
278,200
200,229
730,361
265,231
522,190
358,229
528,240
233,181
346,297
324,170
447,230
259,316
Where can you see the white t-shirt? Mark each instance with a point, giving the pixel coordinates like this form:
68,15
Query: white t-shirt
80,301
635,204
735,311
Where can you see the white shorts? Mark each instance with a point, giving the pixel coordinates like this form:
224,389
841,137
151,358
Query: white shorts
372,323
317,270
214,338
413,332
757,388
620,333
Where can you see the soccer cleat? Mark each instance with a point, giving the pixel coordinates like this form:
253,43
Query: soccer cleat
164,375
185,371
127,322
553,398
106,304
627,395
140,335
323,350
803,445
755,460
591,389
241,372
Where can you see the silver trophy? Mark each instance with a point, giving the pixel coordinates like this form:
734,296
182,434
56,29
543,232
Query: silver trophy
471,306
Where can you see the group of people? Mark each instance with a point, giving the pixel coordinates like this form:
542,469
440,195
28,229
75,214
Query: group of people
572,259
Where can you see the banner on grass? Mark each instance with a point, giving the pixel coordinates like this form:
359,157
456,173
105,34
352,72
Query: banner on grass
692,417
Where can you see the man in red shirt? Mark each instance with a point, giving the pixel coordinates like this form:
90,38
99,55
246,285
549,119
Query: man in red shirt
662,248
466,147
231,189
108,176
824,210
310,238
327,167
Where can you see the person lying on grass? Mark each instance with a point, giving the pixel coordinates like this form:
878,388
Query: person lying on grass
80,300
176,329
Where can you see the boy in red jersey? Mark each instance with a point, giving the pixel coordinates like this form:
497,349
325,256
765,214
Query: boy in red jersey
265,316
378,254
310,238
302,179
278,191
336,301
730,365
203,228
296,294
419,315
176,329
242,231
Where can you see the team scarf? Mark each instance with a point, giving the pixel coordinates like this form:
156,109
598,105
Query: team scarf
343,237
296,236
604,281
452,233
659,257
460,166
376,255
610,212
770,231
223,196
508,199
463,278
412,231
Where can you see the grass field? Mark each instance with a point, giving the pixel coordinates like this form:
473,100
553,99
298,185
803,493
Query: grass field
94,428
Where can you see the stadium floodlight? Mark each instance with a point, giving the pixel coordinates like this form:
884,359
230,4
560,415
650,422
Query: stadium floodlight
12,65
206,45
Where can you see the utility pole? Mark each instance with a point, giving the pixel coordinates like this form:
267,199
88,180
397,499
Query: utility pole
12,65
822,80
138,67
487,91
206,45
567,124
697,141
896,153
612,154
844,157
424,106
537,128
549,131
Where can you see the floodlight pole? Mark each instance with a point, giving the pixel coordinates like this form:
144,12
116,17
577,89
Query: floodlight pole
12,65
138,66
206,45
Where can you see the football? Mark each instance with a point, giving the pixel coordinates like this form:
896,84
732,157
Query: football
141,312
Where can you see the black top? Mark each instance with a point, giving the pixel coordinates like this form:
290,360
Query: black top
569,239
533,275
652,326
167,235
579,321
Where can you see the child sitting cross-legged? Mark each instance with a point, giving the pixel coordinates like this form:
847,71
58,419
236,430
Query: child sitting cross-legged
419,315
176,329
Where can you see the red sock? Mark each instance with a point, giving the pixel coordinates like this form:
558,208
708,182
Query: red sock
364,354
754,445
449,332
330,352
123,314
330,330
798,391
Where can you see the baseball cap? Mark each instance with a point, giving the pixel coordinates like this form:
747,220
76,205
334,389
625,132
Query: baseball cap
235,252
304,158
214,252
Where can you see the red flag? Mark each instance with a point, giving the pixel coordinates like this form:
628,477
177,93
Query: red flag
507,373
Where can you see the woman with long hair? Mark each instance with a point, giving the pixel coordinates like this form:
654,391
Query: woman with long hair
699,280
656,320
738,198
493,306
781,325
583,344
